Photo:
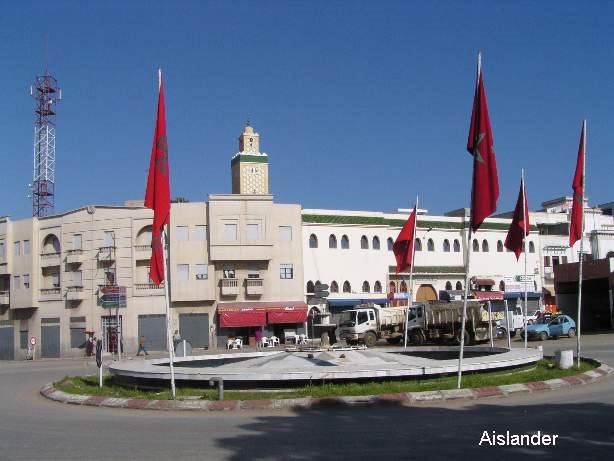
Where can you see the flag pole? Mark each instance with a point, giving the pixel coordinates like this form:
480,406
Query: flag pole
524,248
410,288
581,244
467,262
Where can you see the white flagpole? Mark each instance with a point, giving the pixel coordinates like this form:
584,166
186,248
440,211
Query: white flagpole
524,248
467,261
581,244
410,288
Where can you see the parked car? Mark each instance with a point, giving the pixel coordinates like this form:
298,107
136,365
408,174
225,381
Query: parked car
558,326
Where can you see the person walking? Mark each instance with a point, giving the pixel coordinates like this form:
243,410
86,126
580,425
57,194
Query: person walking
142,346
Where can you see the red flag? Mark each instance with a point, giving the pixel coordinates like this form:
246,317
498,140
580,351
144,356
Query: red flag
403,247
158,194
520,226
575,228
485,190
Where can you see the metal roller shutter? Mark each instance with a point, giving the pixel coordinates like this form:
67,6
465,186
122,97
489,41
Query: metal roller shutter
50,341
153,327
7,343
194,328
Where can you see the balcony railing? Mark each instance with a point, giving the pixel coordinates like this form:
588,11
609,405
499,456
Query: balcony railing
50,294
254,287
74,293
106,253
50,259
230,287
148,289
4,298
142,251
74,256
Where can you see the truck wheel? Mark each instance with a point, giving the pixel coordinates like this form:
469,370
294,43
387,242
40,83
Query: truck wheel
396,340
572,332
370,339
512,333
417,338
543,336
467,338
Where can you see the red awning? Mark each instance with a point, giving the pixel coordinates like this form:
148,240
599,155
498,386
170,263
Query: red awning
246,318
288,315
488,295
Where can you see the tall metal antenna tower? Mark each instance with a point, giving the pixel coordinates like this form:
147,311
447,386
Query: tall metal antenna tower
46,93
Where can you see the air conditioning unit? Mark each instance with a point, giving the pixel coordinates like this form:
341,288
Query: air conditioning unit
201,276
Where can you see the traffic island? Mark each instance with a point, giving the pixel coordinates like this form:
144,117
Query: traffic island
69,390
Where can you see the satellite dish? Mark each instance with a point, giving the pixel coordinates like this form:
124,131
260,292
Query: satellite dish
91,209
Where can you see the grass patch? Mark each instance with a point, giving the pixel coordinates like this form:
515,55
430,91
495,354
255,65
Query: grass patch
543,370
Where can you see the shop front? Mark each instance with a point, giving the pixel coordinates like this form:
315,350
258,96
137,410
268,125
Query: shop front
284,319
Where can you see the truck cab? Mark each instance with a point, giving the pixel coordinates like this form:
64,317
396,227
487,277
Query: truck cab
355,323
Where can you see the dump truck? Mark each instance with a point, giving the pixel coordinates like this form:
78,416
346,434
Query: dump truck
367,323
438,321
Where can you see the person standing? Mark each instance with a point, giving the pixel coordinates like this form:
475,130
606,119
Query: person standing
142,346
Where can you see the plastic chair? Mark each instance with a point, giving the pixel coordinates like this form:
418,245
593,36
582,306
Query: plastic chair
302,339
274,341
265,342
238,344
230,344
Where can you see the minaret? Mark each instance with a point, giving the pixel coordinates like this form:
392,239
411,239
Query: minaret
250,167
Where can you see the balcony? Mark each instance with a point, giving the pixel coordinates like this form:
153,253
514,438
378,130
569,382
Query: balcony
74,256
148,289
75,293
4,298
254,287
142,252
230,287
50,294
106,253
50,259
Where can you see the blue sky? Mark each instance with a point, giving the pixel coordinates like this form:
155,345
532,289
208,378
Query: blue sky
360,105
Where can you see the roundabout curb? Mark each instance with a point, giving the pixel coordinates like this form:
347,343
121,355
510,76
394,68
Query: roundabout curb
405,398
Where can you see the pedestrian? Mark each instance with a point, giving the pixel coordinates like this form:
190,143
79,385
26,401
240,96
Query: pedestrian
142,346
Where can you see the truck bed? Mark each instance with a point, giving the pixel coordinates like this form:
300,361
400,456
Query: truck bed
441,313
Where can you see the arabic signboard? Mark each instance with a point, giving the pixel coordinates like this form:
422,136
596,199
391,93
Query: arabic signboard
113,297
517,283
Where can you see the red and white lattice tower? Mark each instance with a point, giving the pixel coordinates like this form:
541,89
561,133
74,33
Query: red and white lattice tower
46,93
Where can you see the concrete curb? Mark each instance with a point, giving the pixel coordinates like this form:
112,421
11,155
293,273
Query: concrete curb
406,399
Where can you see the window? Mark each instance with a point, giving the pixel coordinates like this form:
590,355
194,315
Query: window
109,239
200,233
499,246
377,287
501,285
448,285
183,272
181,233
403,287
16,248
392,287
366,288
390,243
253,271
364,242
285,233
77,242
230,232
332,241
77,279
345,242
26,247
531,247
430,245
563,259
23,339
362,317
456,246
418,245
347,288
2,250
375,243
310,287
201,271
476,246
228,272
16,282
252,232
26,281
334,287
446,246
485,246
555,261
313,241
286,271
109,276
459,286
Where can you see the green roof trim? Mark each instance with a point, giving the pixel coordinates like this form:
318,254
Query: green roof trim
433,269
250,158
376,220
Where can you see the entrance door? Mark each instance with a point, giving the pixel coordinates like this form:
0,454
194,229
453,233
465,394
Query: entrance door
153,327
194,328
110,334
426,293
7,343
50,341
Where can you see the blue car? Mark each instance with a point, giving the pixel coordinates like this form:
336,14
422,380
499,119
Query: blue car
558,326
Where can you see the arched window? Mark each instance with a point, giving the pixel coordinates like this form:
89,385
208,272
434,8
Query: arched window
390,243
318,282
403,288
501,285
313,241
375,243
392,287
364,242
51,244
310,287
430,245
332,241
334,287
476,246
345,242
485,246
418,245
347,288
446,246
377,287
456,246
144,236
448,285
499,246
531,247
366,288
459,286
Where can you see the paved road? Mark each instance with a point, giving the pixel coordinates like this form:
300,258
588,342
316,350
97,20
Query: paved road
32,428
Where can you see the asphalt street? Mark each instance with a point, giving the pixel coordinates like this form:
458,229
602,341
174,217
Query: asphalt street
33,428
